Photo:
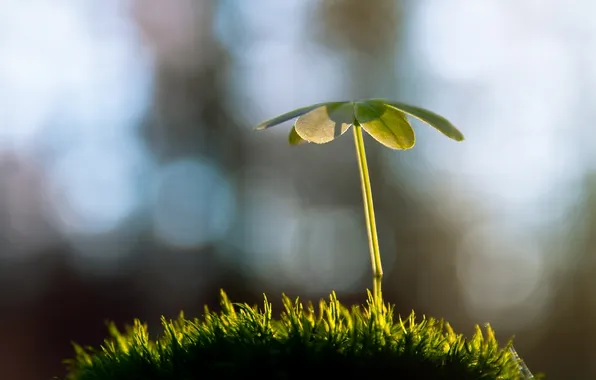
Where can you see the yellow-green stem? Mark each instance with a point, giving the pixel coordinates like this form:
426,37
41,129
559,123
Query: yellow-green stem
369,212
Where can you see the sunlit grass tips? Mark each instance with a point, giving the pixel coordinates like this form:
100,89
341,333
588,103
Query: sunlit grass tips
326,341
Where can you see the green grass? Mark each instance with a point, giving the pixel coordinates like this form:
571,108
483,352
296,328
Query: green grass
327,341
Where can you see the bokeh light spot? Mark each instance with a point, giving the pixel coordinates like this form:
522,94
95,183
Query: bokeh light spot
498,273
93,187
193,203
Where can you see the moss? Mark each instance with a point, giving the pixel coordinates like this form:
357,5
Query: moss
327,341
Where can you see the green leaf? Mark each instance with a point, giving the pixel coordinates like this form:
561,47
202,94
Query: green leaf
294,138
287,116
324,124
385,124
436,121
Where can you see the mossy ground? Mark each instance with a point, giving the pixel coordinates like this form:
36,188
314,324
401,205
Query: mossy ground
329,341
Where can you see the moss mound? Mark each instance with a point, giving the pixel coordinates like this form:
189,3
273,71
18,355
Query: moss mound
327,341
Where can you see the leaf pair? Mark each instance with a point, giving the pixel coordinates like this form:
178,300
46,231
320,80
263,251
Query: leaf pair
386,121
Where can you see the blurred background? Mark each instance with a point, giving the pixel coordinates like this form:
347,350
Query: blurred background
132,183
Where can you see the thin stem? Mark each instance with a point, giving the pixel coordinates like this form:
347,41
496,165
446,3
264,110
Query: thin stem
369,212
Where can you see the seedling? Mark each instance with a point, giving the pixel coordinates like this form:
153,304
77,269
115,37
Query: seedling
386,121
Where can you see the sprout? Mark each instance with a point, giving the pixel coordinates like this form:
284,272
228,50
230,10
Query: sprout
386,121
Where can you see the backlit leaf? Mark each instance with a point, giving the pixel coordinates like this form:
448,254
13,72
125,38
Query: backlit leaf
437,121
287,116
324,124
294,138
385,124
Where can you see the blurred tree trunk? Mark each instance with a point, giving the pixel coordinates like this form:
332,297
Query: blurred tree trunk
190,119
